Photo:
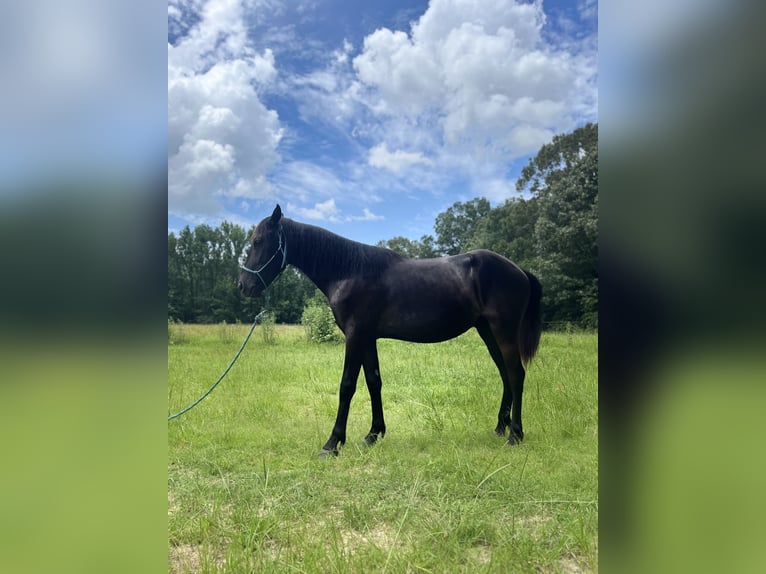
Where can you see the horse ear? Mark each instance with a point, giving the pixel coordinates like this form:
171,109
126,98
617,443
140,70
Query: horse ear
277,215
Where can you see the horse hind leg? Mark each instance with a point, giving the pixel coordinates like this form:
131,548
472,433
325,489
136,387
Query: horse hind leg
504,415
516,374
505,353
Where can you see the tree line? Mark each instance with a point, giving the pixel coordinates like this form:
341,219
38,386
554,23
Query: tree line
553,234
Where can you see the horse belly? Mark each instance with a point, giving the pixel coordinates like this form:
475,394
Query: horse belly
427,320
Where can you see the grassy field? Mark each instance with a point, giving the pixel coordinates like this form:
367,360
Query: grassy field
441,493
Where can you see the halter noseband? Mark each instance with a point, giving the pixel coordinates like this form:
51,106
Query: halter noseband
281,247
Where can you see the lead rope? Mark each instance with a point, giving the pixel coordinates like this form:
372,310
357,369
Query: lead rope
234,360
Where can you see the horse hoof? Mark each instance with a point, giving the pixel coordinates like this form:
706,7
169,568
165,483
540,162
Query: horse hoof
499,431
325,453
372,438
513,439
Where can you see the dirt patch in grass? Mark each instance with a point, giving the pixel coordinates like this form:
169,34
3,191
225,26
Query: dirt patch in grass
353,540
533,525
189,558
480,554
570,565
566,565
172,505
184,558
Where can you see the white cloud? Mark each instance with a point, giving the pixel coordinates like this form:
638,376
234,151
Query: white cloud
222,140
206,157
321,80
452,99
495,190
588,9
323,211
304,180
406,75
325,94
328,211
477,75
367,215
396,161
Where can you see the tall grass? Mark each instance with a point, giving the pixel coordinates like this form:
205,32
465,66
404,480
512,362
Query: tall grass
440,493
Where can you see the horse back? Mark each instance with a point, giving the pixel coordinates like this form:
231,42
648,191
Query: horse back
427,300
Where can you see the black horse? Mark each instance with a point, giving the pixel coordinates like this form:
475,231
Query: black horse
375,293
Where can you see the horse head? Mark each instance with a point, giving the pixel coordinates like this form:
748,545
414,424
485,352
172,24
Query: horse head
267,256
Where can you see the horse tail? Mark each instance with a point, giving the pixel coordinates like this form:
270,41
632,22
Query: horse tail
531,325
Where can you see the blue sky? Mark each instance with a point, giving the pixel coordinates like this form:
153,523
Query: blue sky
367,118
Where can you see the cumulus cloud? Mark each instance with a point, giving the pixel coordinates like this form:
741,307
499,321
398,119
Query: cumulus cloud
304,180
495,189
367,215
455,98
481,75
322,211
406,76
395,161
222,140
328,211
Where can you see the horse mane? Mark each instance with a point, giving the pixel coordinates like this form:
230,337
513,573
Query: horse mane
321,253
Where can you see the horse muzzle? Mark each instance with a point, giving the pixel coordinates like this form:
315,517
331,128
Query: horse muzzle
250,288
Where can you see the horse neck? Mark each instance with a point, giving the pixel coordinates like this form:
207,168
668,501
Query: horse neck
315,251
326,258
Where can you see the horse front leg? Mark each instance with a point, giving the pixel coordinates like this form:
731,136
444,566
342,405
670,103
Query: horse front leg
374,385
351,366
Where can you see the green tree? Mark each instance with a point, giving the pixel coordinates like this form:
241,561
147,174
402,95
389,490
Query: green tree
509,230
183,265
456,226
563,178
289,294
203,268
175,279
225,244
423,248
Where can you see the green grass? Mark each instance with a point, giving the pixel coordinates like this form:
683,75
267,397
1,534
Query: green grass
440,493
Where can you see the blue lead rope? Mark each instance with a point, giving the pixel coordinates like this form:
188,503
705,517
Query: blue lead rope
234,360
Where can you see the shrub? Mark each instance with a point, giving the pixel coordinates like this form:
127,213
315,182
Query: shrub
319,322
268,329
